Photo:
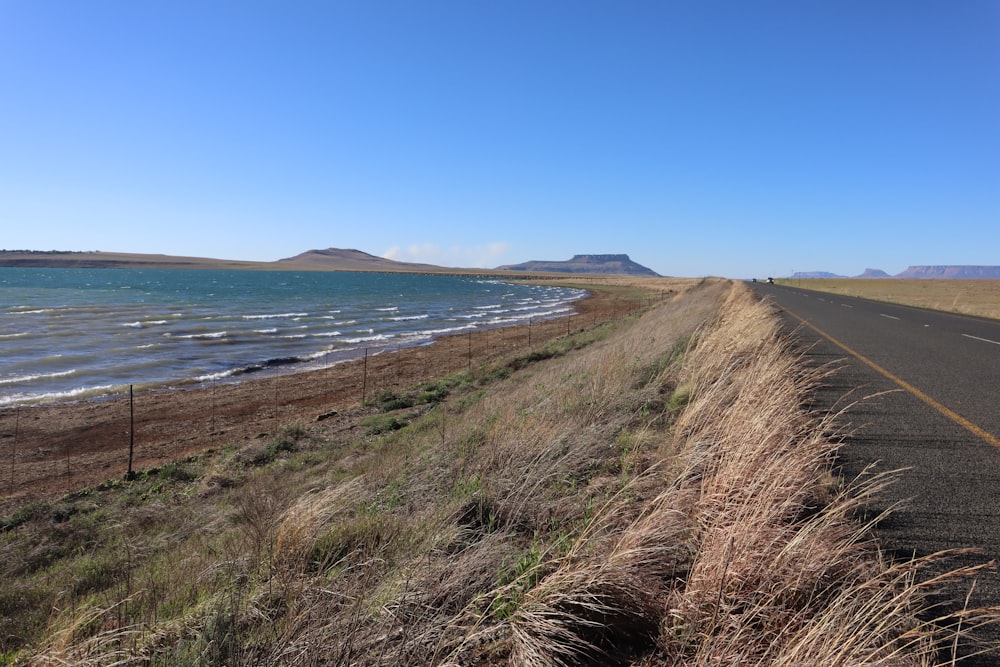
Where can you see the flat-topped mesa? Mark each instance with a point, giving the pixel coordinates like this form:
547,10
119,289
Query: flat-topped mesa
600,258
604,264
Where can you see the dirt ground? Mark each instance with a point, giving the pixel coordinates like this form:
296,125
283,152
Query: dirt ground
50,450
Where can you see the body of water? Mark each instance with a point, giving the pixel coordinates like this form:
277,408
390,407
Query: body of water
75,333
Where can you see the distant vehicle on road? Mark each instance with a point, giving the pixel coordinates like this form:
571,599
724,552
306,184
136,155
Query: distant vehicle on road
770,280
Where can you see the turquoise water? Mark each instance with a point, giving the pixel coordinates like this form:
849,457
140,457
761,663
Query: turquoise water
75,333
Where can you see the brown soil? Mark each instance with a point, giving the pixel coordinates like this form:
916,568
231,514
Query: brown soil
50,450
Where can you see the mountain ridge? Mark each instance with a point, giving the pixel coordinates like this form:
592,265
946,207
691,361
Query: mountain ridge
927,272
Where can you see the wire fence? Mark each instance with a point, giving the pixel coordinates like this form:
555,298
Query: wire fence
59,448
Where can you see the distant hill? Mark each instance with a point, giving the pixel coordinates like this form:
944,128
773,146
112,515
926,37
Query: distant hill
352,260
115,260
952,272
944,272
815,274
609,264
331,259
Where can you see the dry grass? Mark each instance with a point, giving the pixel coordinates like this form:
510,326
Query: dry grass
646,494
971,297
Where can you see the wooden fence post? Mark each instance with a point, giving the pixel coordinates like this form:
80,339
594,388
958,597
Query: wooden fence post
13,448
364,378
130,475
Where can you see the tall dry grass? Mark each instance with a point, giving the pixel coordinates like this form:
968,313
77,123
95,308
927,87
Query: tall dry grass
648,493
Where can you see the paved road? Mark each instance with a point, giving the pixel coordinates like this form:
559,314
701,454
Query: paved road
941,420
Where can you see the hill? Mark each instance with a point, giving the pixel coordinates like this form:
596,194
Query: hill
610,264
115,260
331,259
874,273
942,272
352,260
952,272
815,274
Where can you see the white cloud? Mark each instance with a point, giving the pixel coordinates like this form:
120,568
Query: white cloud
478,256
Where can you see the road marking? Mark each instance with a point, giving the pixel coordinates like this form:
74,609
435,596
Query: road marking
846,306
950,414
985,340
891,317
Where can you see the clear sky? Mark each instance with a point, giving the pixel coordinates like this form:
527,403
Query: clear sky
700,137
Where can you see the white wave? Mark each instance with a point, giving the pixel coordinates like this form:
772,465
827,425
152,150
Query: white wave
390,309
367,339
407,318
58,395
39,376
448,330
326,334
275,316
507,320
534,315
143,323
492,306
38,311
14,335
294,336
266,331
215,335
213,376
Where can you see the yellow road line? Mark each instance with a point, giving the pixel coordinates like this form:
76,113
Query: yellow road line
950,414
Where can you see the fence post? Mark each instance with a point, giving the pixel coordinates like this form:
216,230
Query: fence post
213,405
131,433
364,378
13,449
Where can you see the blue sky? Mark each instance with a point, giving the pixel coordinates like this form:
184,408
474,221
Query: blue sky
701,138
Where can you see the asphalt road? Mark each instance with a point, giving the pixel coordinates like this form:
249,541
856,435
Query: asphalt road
940,421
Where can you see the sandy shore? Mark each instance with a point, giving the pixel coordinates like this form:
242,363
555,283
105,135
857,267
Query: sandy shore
54,449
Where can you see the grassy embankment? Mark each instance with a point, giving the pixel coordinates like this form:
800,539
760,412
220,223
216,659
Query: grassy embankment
970,297
644,492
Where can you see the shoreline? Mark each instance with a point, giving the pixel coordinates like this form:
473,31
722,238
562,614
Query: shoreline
51,449
279,366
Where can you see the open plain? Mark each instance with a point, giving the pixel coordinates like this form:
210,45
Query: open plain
971,297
